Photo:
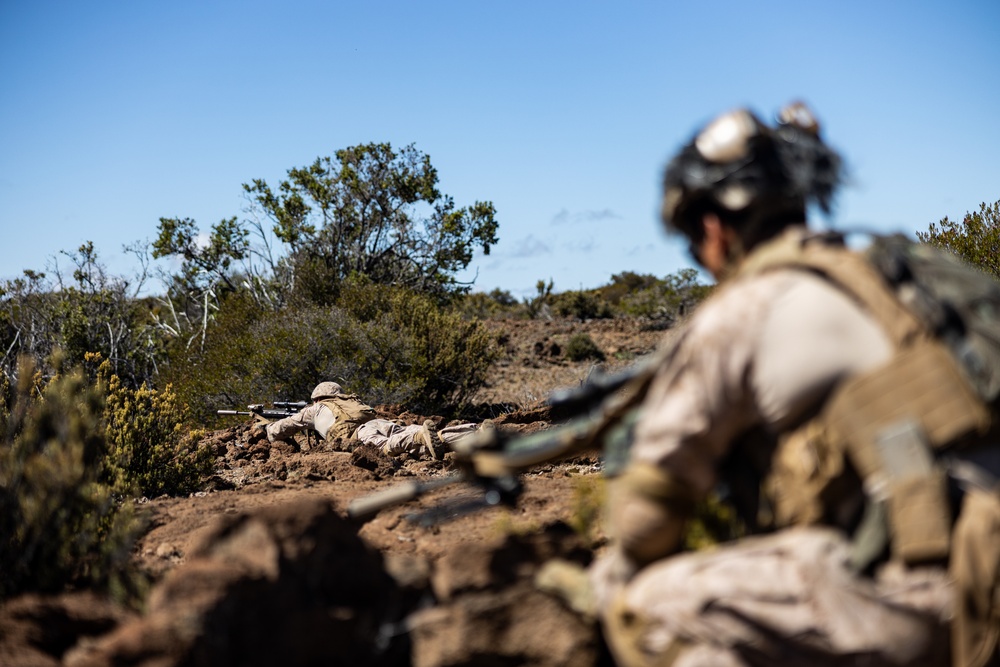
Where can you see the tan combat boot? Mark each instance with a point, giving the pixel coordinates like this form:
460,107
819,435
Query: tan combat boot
431,440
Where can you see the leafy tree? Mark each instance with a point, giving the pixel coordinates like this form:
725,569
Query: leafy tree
976,239
205,264
207,271
372,211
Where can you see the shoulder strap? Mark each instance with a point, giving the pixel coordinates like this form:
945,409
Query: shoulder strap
826,255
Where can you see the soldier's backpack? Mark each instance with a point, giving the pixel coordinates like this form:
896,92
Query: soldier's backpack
350,413
958,303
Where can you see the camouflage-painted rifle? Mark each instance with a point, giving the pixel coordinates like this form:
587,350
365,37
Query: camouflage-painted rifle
603,408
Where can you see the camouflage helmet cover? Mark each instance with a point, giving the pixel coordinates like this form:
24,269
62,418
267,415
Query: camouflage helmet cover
737,163
325,390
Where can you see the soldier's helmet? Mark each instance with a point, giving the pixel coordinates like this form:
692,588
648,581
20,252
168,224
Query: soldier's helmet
326,390
739,165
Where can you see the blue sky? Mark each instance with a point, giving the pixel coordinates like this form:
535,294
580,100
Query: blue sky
563,114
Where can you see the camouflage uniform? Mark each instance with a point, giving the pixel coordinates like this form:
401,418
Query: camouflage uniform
317,417
392,438
763,354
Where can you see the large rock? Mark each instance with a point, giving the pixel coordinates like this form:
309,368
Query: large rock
36,630
288,585
489,611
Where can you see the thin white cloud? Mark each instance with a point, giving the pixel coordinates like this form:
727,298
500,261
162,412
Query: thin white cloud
564,216
529,246
584,245
641,249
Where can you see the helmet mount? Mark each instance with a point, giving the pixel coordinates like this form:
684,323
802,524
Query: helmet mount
754,176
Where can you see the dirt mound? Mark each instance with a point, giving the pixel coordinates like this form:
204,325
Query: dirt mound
36,631
488,610
290,584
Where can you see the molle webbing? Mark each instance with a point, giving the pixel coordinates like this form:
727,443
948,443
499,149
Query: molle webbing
350,413
887,422
921,380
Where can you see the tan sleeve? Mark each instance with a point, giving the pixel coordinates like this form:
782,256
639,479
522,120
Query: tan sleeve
762,352
300,421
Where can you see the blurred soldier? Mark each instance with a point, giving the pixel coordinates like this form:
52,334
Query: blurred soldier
336,415
805,389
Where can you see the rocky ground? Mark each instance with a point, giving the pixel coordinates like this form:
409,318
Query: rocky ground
266,568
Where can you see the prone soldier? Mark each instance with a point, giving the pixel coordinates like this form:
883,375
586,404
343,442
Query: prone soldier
334,414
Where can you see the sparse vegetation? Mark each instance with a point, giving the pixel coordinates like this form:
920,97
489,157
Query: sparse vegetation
150,453
353,279
659,300
581,347
64,520
589,498
976,239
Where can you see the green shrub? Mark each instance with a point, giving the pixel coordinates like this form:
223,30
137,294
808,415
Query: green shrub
582,305
976,239
63,522
149,452
581,346
481,305
625,283
447,358
387,344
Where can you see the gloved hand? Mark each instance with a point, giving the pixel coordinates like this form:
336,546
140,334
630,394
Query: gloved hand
259,430
570,583
608,576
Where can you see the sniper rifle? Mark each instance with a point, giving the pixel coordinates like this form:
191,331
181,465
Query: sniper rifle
279,409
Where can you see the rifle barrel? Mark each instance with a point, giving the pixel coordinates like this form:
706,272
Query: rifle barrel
370,505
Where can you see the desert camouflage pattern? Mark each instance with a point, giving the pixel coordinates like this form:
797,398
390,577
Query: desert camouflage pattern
314,416
394,439
782,599
763,354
